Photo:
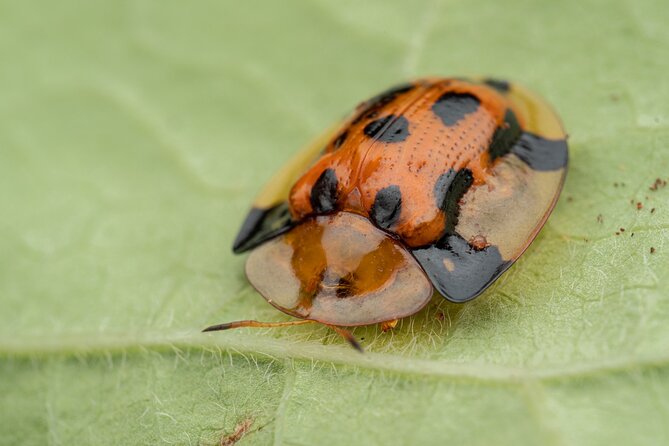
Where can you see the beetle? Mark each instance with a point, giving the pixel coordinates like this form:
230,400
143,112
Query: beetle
439,184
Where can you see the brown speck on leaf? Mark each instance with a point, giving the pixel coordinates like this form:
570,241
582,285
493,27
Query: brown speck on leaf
659,182
570,199
622,229
652,250
600,218
240,430
617,233
652,211
639,205
440,316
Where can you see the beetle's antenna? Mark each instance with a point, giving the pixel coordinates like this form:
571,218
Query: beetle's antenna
241,324
257,324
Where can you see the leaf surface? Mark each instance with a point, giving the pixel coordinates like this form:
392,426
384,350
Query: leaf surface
133,137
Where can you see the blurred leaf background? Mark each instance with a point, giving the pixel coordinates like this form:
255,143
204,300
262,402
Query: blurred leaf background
133,136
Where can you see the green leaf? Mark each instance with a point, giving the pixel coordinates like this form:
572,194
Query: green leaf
133,136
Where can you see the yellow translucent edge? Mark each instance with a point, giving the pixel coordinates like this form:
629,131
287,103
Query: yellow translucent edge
539,118
278,188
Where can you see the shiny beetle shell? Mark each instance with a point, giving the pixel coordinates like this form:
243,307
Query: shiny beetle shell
439,184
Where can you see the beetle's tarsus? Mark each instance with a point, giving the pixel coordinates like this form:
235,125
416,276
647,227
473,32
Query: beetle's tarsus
388,325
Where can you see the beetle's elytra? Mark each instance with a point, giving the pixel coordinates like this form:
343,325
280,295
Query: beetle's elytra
438,184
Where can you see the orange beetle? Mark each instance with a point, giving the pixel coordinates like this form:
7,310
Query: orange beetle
435,184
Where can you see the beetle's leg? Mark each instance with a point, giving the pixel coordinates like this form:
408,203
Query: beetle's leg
241,324
388,325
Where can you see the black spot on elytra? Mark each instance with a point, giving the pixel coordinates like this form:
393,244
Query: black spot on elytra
541,153
458,271
387,207
324,194
498,84
505,136
448,191
390,128
370,108
340,140
452,107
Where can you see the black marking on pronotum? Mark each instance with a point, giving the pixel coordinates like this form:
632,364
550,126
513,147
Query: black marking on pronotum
458,271
345,286
390,128
498,84
324,193
387,207
505,136
452,107
369,109
541,153
448,191
261,225
340,139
